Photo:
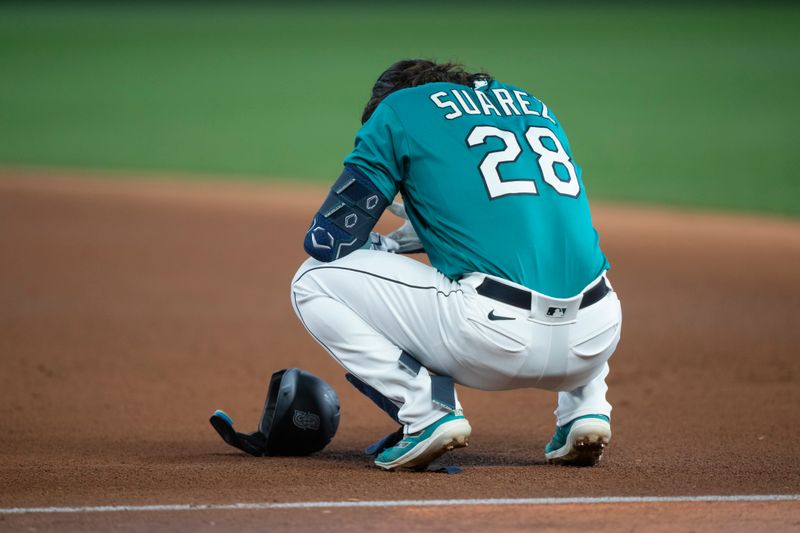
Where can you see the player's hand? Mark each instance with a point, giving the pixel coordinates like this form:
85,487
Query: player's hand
405,236
403,240
382,243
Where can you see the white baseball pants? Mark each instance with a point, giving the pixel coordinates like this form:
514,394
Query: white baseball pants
367,307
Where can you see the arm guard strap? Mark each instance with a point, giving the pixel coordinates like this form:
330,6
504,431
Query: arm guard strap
345,219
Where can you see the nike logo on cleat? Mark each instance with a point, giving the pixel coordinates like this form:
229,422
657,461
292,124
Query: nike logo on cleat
493,316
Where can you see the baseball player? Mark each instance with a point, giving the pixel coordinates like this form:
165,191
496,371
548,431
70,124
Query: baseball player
517,294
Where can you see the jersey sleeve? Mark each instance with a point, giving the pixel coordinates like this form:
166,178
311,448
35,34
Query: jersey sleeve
381,151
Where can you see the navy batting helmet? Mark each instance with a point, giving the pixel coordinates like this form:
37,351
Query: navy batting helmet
301,416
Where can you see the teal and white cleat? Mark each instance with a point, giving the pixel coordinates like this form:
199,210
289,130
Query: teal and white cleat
416,451
580,442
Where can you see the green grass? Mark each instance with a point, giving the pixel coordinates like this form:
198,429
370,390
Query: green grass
677,105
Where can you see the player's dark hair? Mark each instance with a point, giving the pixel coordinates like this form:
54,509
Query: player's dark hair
414,72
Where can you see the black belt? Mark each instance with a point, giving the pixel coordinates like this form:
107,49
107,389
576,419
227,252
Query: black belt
522,298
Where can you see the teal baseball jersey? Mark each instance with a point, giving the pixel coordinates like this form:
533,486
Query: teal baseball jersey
488,181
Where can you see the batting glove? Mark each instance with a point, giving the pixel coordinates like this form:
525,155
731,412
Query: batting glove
403,240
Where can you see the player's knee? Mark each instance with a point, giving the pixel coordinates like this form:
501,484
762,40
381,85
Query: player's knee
305,266
304,281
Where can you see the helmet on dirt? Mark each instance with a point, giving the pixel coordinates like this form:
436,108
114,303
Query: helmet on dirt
301,414
300,417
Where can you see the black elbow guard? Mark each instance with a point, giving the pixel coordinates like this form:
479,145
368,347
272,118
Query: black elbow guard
346,218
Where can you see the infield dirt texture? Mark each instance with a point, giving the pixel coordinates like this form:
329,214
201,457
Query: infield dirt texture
129,311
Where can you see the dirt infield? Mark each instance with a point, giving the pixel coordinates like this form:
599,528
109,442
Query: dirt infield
130,310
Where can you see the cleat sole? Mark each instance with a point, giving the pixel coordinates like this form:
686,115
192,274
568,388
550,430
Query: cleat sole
585,444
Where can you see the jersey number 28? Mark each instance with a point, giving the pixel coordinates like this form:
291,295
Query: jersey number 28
547,161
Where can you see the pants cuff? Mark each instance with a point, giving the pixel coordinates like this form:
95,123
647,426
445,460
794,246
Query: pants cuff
419,425
562,420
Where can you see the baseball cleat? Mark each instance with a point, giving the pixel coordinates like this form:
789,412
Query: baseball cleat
416,451
580,442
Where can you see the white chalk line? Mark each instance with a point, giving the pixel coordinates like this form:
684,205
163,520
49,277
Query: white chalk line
259,506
